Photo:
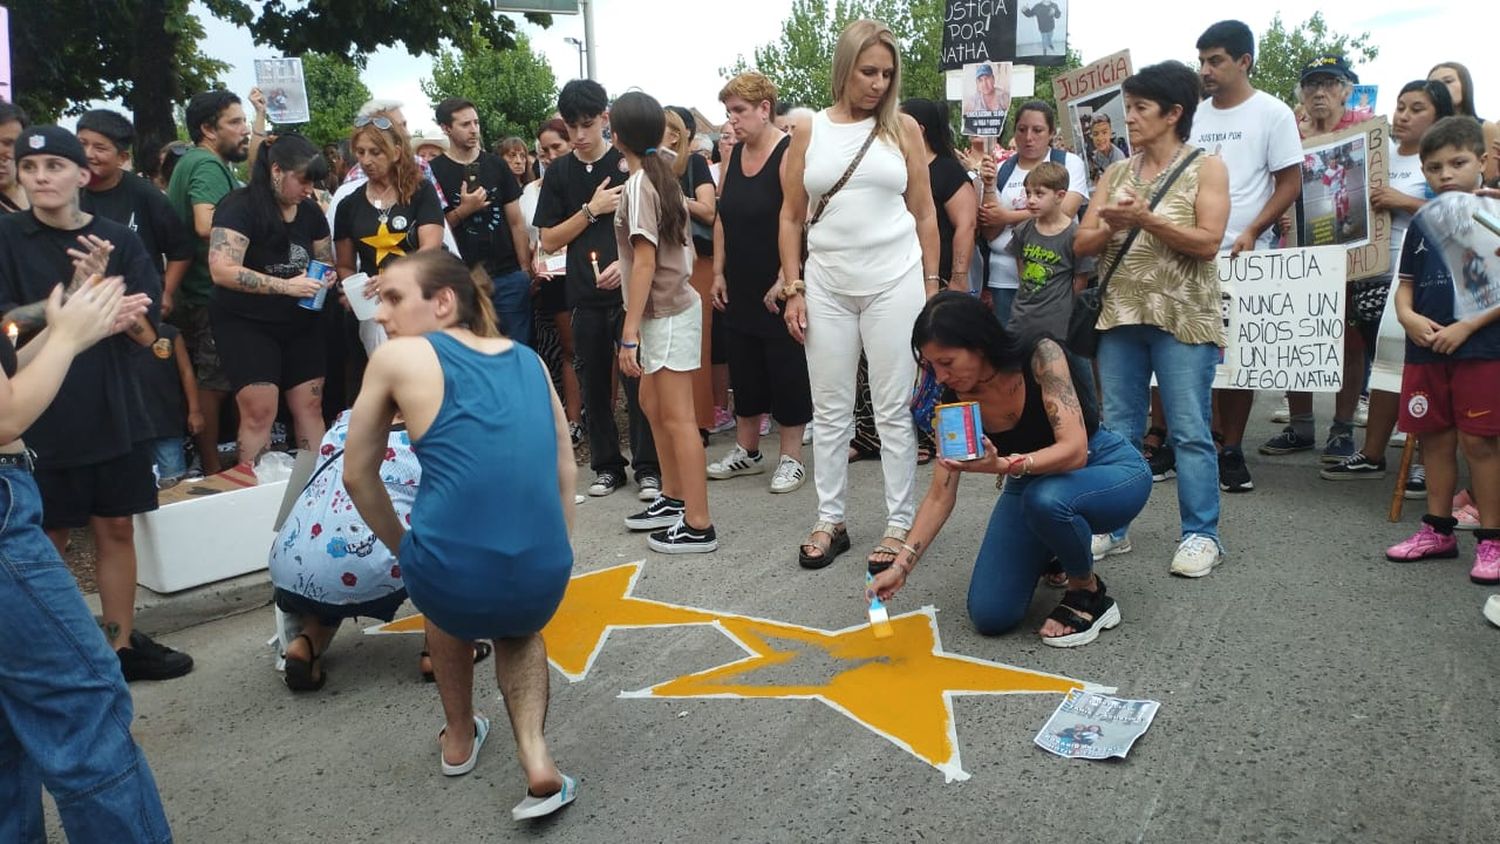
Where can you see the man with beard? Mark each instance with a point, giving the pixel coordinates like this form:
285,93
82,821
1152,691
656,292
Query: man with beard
217,127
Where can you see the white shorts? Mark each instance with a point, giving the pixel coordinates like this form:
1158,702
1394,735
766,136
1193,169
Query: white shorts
674,342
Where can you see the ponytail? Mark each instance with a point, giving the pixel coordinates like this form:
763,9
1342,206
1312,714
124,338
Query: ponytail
639,122
437,269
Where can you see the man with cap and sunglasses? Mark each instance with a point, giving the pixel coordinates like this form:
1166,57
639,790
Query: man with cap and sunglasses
93,463
1324,91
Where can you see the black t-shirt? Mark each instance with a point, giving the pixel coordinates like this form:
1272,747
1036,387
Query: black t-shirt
483,237
947,176
570,183
750,211
357,220
696,174
161,387
98,414
285,259
136,204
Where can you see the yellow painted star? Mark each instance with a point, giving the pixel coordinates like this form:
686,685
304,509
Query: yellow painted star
386,243
900,687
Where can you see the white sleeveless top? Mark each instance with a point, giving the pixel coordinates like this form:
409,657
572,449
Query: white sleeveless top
866,240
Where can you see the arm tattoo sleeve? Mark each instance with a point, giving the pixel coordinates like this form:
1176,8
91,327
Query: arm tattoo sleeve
1050,366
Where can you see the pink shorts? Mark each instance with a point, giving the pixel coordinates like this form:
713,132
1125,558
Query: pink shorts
1462,394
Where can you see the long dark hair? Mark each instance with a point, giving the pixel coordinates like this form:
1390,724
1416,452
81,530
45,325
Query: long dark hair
1437,93
436,269
292,154
1465,82
932,116
638,123
960,321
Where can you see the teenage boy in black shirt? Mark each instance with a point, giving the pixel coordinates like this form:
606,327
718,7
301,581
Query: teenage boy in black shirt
576,211
93,463
484,212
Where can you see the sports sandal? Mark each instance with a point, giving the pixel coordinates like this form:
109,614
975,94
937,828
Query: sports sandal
299,672
532,806
884,554
825,552
482,649
1104,612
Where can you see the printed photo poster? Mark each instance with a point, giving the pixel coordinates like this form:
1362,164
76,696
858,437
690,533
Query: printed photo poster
1090,96
286,93
1467,230
1338,172
1032,32
1362,99
986,98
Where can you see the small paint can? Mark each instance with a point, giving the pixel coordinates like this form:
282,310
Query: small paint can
317,271
960,431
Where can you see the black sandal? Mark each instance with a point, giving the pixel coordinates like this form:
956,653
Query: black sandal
838,543
482,649
299,672
1104,612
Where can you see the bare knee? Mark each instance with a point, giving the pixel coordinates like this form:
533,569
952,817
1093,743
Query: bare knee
1479,448
114,530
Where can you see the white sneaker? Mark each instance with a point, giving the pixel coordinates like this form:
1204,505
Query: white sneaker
807,434
1105,545
1283,413
1492,610
1362,412
737,462
789,475
1398,440
1196,556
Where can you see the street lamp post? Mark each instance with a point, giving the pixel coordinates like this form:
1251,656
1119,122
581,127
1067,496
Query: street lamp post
581,50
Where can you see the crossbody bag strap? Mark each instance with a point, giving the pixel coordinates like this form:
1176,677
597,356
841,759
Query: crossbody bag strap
844,179
1136,231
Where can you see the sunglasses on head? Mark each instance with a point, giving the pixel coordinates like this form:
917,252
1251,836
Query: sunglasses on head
382,123
178,148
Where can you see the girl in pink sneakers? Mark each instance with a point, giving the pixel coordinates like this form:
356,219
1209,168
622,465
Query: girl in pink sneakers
1448,395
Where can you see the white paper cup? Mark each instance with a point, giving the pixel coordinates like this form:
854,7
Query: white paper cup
354,290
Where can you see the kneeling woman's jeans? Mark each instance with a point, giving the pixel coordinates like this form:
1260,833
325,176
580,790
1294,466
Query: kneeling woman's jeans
1042,516
64,708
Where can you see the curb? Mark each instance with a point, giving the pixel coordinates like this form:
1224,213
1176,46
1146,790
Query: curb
159,614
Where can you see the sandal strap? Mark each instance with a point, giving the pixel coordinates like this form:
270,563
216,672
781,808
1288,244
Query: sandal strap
1063,614
830,529
883,548
826,527
896,533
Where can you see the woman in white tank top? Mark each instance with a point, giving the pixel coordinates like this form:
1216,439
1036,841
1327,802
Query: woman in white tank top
872,262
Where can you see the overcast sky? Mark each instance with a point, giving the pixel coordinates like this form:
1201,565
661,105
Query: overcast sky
673,49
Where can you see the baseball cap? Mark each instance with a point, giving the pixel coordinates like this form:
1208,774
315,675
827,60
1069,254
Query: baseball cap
1332,65
50,140
983,71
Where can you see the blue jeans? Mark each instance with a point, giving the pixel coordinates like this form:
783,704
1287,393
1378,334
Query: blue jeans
64,708
1127,357
512,300
1001,299
1042,516
169,458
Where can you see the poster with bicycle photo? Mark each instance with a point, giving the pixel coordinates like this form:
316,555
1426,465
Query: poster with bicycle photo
1338,172
286,93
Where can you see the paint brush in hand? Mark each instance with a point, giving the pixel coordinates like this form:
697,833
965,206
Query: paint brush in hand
880,619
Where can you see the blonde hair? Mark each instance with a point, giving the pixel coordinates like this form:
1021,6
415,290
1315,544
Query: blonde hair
684,145
856,38
751,87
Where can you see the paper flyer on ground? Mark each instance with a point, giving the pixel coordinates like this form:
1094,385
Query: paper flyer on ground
1467,230
1087,725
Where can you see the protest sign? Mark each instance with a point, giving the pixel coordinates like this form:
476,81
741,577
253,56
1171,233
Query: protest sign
1338,172
986,98
1093,92
286,94
1285,315
6,92
1362,99
1031,31
1466,229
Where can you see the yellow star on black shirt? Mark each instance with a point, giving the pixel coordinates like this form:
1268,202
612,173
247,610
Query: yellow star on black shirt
386,243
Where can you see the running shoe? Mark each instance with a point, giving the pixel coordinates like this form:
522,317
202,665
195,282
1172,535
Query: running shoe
1196,556
1425,544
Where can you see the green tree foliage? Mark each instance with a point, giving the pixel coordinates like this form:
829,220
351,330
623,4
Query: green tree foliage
334,95
1282,53
359,27
513,90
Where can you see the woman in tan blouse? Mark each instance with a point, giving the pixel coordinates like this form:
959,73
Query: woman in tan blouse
1161,313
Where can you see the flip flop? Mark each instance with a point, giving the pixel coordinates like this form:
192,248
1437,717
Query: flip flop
298,676
481,729
482,649
539,807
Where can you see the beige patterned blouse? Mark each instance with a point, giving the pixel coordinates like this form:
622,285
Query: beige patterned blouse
1157,285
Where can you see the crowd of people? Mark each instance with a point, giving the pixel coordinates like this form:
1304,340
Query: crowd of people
835,273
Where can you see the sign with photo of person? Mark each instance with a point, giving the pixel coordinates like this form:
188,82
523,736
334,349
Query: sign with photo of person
986,98
1338,171
1466,229
1033,32
1091,94
286,93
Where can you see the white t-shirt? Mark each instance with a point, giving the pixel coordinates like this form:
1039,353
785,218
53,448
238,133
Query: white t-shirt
1255,138
1406,177
1012,195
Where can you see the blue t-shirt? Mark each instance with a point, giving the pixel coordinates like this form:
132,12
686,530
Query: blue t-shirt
1432,296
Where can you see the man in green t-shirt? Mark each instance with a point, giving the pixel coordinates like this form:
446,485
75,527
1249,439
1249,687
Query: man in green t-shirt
217,126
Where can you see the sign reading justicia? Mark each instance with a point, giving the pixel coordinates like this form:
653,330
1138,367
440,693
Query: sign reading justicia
1027,31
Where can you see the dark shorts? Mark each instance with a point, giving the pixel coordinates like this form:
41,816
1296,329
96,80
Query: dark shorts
197,333
286,354
769,375
1462,394
331,615
551,296
120,487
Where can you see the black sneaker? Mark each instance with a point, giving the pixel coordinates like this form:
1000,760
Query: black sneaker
1163,462
145,659
663,512
1356,467
1234,475
606,483
681,539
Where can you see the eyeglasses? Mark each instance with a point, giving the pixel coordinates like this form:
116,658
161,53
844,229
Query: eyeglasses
384,124
1322,83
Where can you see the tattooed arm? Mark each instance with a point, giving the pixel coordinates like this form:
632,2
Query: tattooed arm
1049,364
226,256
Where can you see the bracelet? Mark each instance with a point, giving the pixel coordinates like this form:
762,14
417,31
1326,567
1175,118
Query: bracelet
915,554
790,289
1025,461
624,345
589,214
934,277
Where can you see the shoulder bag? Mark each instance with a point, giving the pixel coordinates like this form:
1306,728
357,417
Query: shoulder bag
837,186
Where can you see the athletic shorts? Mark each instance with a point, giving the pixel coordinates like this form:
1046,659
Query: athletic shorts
1460,394
123,486
286,354
674,342
197,333
769,375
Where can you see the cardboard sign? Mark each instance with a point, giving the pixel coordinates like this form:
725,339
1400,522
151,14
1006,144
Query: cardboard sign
286,93
1338,172
1090,91
1285,313
1031,31
986,98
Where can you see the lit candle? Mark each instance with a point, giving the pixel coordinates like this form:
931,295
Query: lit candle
12,331
594,262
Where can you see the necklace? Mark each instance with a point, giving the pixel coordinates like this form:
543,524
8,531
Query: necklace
382,207
1140,165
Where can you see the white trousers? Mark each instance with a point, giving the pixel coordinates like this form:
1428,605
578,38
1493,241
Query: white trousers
838,327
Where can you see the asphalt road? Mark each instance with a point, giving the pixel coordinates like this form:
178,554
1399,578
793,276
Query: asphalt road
1310,691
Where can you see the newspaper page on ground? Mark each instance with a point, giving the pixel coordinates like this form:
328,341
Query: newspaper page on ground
1087,725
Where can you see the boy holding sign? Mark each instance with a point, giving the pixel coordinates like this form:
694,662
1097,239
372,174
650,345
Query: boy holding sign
1447,389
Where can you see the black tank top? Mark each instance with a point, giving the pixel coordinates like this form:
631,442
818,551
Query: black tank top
1033,430
750,208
